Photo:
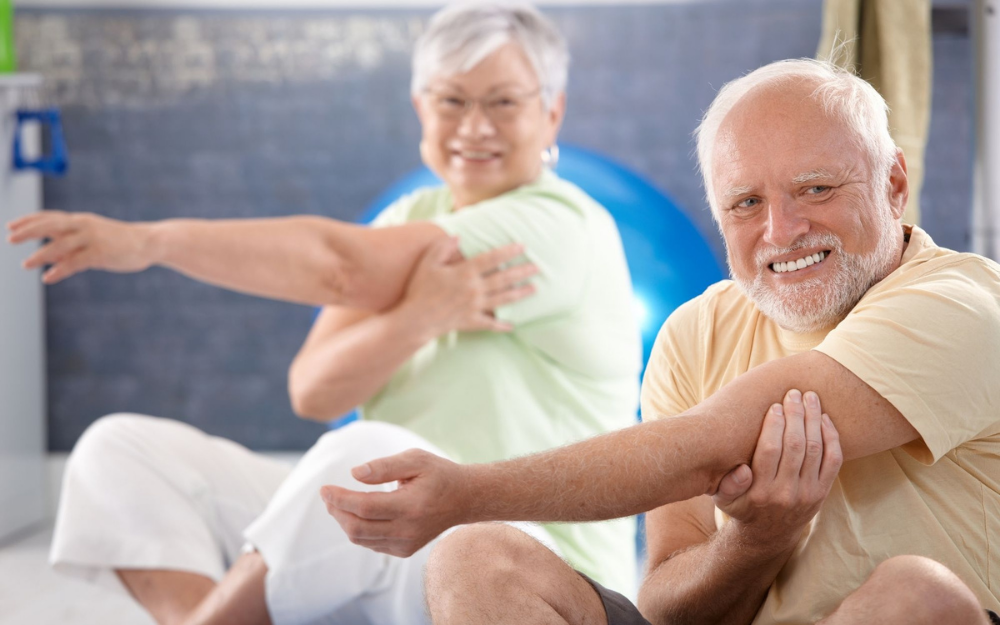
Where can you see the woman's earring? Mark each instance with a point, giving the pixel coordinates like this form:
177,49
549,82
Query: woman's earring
550,156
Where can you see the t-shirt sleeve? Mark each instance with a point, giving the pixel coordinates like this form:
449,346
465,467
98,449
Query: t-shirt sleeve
932,349
554,236
668,386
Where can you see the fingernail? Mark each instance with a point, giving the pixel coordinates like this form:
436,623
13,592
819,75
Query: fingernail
742,474
778,410
361,471
795,396
813,399
826,419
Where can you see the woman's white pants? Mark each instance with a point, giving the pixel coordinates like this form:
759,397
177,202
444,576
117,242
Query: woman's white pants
147,493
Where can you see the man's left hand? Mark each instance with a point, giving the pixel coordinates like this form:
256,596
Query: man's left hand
794,466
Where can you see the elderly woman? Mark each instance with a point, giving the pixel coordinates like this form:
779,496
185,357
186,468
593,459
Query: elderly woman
442,353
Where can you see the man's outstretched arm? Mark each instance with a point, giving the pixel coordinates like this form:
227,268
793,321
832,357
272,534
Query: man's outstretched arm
309,260
614,475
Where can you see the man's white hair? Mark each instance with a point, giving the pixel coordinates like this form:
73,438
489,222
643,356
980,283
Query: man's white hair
843,94
462,34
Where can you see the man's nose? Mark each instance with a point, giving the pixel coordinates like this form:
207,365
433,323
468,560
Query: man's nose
786,222
475,123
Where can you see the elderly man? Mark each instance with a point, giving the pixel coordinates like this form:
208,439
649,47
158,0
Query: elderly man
831,293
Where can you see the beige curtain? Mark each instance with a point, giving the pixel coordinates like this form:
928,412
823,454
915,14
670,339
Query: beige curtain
888,43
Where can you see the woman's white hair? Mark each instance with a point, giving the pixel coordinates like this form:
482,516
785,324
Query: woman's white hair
843,94
461,35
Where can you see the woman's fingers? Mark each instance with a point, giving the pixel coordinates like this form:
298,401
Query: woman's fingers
47,224
509,296
69,266
506,278
493,259
55,251
486,321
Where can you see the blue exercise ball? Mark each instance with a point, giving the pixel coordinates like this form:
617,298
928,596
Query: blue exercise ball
669,259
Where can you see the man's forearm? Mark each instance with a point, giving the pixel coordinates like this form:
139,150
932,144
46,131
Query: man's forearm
661,462
724,581
309,260
629,471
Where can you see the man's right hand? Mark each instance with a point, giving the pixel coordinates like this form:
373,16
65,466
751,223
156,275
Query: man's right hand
796,460
433,495
82,241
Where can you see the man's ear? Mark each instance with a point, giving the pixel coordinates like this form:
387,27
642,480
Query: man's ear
899,186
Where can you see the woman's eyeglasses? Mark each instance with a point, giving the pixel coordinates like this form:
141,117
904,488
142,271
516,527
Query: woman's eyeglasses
502,107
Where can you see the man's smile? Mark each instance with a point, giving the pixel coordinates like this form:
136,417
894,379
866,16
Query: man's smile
796,264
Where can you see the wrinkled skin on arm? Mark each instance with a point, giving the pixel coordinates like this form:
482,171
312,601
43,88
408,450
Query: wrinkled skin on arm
619,474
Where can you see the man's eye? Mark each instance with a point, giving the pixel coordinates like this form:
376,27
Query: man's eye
818,189
451,102
749,202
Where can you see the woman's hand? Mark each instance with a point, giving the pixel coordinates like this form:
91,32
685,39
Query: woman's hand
82,241
448,292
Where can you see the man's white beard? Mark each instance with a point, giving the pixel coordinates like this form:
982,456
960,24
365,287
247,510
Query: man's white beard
819,303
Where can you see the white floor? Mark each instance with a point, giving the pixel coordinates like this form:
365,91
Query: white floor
32,594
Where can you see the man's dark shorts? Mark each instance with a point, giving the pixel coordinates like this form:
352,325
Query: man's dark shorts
621,611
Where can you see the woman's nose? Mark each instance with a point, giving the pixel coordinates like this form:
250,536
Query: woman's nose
475,123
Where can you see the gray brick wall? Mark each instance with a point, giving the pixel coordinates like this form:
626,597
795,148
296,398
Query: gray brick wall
226,114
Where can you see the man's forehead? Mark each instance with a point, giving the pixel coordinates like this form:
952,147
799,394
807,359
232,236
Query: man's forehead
737,181
793,146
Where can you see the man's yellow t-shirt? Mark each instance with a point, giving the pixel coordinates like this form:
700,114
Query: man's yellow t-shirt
927,338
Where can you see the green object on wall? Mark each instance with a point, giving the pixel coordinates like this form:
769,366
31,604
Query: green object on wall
8,57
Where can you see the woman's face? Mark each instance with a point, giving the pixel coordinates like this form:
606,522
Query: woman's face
484,130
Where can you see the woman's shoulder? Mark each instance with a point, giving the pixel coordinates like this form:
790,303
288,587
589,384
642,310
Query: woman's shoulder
558,194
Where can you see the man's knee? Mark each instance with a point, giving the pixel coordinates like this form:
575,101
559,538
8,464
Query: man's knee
922,586
488,557
475,550
499,570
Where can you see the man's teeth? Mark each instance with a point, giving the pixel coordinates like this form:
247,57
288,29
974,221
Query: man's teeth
795,265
